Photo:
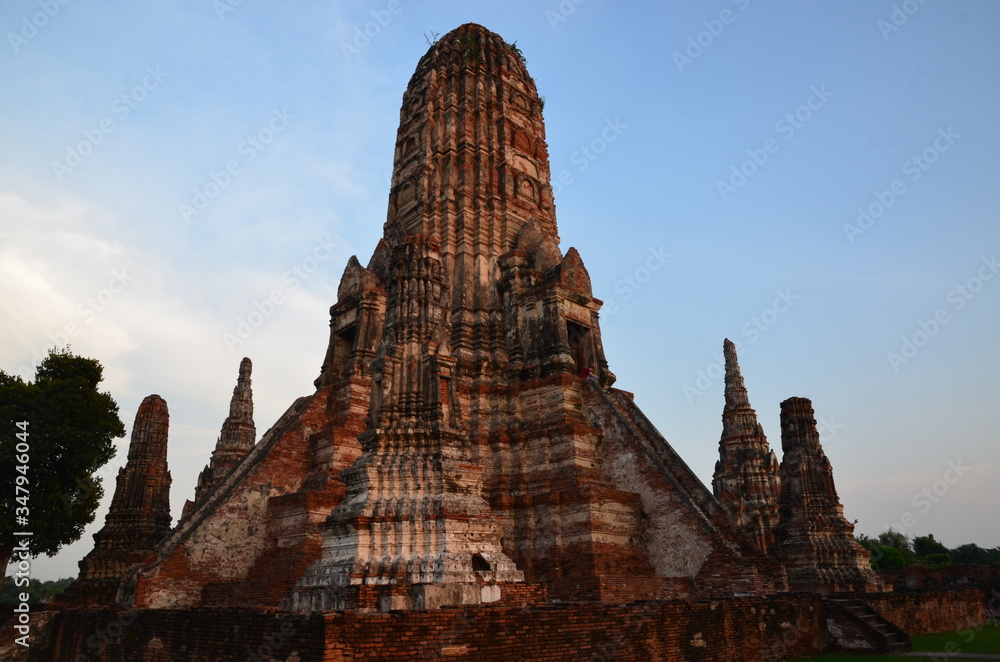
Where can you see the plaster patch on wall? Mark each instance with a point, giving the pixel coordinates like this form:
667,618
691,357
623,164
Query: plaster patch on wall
226,545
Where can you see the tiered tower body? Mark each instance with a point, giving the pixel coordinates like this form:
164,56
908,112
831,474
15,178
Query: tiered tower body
139,517
479,301
482,463
235,440
747,477
813,539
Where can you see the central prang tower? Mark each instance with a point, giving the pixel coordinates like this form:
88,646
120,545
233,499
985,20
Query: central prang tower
473,328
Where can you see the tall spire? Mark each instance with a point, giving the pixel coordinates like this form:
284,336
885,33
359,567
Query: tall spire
238,431
813,538
746,476
737,417
139,516
236,438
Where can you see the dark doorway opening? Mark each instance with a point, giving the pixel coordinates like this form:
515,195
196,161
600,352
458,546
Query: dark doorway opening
581,346
479,564
343,345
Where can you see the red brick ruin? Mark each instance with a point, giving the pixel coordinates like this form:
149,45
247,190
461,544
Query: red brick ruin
453,455
140,510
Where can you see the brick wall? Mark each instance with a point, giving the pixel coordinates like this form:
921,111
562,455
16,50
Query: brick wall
922,612
984,577
740,630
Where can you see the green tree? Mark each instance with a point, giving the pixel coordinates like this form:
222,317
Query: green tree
38,591
884,557
893,538
69,434
930,552
973,554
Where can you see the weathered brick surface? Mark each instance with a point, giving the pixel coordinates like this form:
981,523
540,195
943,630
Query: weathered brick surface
747,478
913,578
139,516
921,612
813,538
737,630
257,530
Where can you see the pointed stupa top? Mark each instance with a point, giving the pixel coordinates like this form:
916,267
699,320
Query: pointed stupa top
471,165
738,418
238,431
746,476
736,392
236,438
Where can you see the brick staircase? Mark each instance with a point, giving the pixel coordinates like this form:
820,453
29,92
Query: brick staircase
887,637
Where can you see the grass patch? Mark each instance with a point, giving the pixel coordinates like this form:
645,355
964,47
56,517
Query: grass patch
983,639
831,657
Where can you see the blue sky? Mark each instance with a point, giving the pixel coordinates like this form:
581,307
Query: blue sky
714,159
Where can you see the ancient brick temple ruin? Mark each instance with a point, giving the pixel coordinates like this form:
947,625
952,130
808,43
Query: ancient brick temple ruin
452,453
140,510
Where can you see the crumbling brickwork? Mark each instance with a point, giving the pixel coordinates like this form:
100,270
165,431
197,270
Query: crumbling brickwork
813,538
747,477
236,438
737,630
139,516
923,612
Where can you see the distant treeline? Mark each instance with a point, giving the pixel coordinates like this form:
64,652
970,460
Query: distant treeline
38,591
892,550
